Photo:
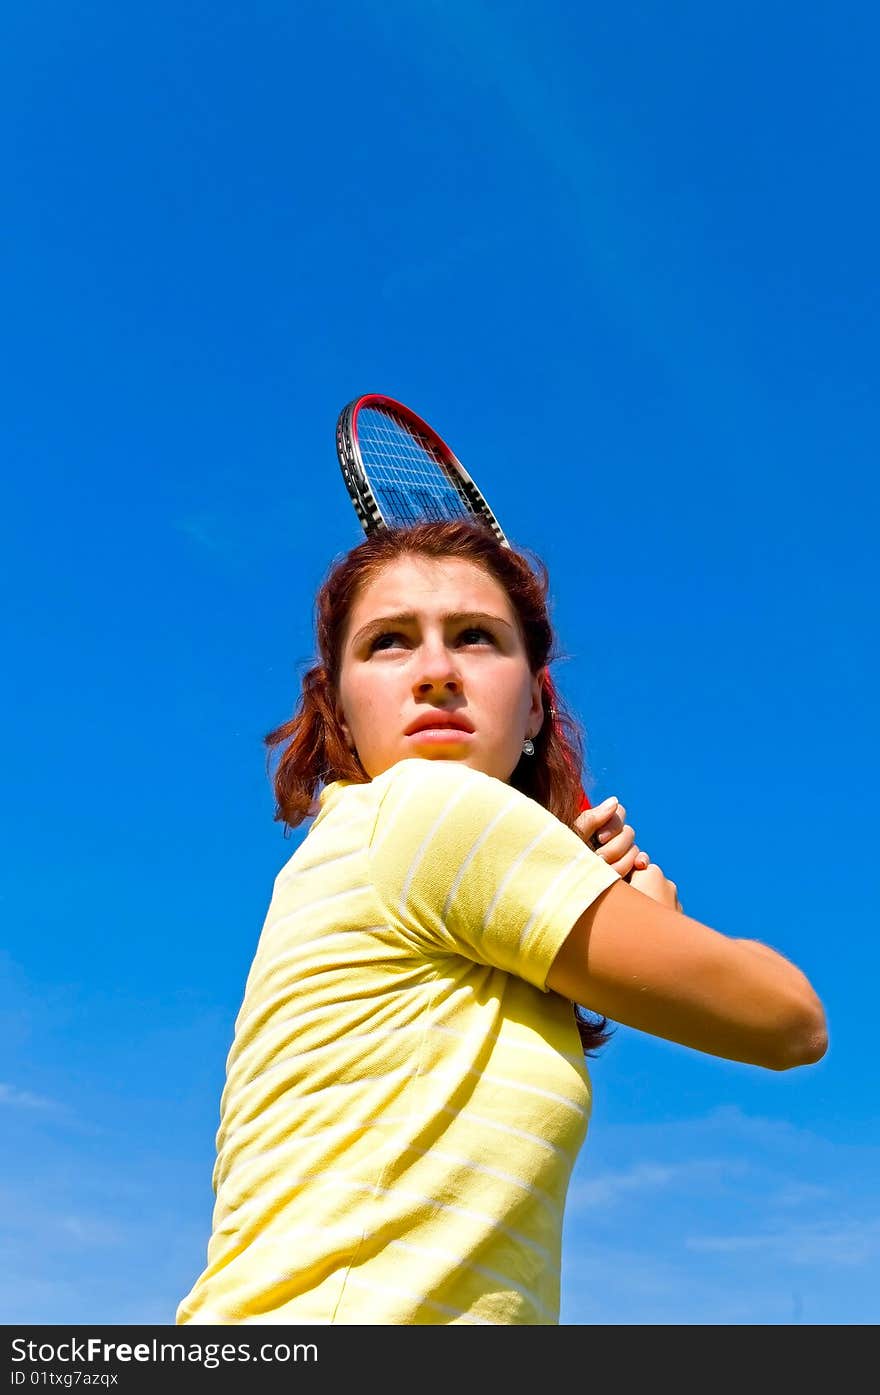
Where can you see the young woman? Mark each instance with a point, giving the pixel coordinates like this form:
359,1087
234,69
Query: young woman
407,1091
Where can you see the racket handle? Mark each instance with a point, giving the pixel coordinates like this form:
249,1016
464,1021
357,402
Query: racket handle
585,804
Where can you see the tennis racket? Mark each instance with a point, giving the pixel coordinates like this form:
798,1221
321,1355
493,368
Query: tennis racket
399,471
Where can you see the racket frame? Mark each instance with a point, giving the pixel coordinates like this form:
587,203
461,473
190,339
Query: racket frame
356,475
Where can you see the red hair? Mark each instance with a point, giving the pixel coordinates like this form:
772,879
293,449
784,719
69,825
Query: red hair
315,752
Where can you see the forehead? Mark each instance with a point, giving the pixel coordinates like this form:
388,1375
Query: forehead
429,586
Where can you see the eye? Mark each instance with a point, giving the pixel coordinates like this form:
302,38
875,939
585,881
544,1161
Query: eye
388,639
475,634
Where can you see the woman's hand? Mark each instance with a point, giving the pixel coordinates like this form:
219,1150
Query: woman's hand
651,882
606,831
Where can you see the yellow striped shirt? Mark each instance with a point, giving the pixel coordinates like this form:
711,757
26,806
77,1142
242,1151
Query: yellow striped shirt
404,1099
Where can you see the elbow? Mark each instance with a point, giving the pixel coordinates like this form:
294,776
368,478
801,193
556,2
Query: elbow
804,1040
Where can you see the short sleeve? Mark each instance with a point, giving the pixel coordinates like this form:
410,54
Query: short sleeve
468,864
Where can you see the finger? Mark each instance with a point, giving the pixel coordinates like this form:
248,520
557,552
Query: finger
610,829
601,838
614,825
648,879
622,843
626,865
656,873
588,823
590,819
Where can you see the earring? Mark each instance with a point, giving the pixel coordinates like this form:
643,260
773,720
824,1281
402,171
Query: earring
528,747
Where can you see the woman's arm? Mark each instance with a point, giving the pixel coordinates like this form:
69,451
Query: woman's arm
649,966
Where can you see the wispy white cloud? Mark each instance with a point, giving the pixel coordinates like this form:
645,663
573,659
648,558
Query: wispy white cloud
233,533
608,1187
849,1243
801,1194
74,1261
620,1283
206,530
40,1230
729,1131
24,1099
726,1217
36,1300
90,1231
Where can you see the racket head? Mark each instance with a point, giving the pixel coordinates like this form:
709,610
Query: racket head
398,470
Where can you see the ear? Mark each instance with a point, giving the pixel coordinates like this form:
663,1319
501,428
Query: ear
536,706
343,726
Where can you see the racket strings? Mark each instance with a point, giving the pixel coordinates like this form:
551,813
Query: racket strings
406,472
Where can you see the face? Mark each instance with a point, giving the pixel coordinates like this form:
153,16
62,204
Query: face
434,665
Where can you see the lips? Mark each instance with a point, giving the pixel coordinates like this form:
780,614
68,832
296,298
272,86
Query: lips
438,721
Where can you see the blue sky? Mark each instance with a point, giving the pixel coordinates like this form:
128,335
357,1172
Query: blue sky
625,259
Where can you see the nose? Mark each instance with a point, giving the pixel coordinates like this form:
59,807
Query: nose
438,672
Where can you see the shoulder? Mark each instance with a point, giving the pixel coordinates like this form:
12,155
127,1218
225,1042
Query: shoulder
442,775
449,786
479,866
447,802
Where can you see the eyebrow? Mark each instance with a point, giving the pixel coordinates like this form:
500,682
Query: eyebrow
408,617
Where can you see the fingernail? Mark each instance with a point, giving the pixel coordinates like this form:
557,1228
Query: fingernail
610,802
